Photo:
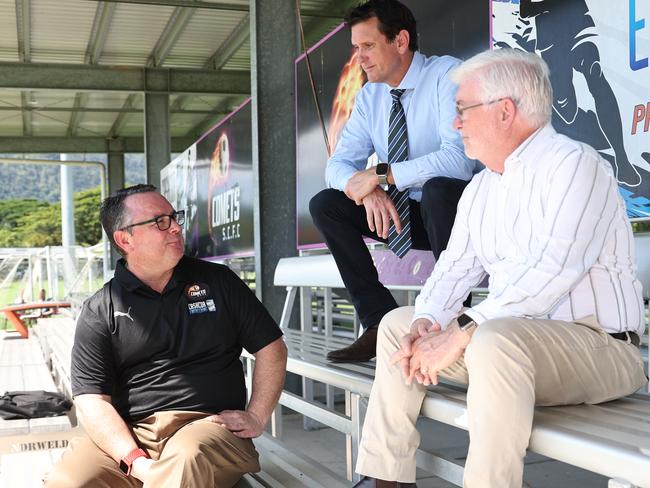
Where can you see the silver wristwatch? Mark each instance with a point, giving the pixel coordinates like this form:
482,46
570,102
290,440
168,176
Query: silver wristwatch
381,170
465,323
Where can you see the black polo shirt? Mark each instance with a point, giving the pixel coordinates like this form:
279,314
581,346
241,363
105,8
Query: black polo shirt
175,350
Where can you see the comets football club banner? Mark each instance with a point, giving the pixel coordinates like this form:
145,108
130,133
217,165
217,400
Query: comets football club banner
457,28
597,52
212,181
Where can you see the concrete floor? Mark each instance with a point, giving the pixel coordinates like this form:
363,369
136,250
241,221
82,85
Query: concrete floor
327,446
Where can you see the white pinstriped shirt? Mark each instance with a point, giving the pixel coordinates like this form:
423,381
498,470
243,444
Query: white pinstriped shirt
553,235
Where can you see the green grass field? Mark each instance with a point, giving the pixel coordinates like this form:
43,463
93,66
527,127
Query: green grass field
9,294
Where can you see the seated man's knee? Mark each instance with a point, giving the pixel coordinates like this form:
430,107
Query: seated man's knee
397,322
491,340
442,191
321,202
434,189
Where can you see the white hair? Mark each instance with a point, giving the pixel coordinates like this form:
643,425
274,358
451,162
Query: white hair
511,73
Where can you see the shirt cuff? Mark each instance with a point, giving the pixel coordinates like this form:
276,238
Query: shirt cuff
343,175
400,176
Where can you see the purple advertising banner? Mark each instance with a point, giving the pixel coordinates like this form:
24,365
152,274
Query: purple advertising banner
212,181
457,28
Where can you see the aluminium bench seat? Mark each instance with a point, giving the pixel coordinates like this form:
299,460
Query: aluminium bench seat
611,439
23,368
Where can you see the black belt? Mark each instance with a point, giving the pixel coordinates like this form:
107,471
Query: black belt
627,336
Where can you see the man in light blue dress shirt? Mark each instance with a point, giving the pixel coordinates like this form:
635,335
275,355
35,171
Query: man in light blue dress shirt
435,173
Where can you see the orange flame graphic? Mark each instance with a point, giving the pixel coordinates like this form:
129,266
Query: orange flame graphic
350,82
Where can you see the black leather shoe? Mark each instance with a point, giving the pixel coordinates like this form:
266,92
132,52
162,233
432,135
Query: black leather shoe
368,482
361,350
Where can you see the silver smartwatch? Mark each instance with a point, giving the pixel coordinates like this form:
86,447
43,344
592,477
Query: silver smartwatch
465,323
381,170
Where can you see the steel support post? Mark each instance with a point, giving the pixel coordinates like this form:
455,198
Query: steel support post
116,181
156,129
274,48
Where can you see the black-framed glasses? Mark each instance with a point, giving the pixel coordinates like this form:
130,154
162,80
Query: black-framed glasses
163,222
461,110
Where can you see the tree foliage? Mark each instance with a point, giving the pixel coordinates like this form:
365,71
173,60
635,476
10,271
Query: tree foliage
42,182
30,223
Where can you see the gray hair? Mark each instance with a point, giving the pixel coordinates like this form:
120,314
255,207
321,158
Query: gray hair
511,73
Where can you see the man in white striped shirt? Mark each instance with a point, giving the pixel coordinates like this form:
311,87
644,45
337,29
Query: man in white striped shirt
563,316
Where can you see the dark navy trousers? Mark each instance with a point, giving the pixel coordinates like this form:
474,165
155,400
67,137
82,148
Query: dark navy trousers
343,224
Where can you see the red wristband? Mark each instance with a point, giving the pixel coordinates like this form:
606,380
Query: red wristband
126,462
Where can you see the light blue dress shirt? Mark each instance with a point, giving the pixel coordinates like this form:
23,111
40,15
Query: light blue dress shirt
435,147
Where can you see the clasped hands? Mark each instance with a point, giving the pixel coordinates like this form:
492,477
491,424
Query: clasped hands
363,187
427,349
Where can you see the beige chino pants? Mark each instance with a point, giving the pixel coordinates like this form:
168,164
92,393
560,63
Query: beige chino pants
189,453
511,365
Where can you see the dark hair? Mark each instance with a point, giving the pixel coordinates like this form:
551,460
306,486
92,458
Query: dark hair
392,15
111,212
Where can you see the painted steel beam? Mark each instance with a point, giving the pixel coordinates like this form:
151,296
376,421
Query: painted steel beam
36,144
83,77
100,110
311,12
80,100
175,26
25,98
24,33
99,31
177,22
98,35
220,111
231,45
222,55
24,29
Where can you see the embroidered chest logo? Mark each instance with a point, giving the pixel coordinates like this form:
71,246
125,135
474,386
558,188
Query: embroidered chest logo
196,292
126,314
198,299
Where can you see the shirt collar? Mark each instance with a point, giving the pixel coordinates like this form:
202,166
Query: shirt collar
411,77
131,282
530,145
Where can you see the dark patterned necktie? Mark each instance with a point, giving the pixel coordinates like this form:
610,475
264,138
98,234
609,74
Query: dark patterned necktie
398,150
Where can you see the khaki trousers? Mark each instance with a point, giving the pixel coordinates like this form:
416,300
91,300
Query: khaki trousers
510,365
189,453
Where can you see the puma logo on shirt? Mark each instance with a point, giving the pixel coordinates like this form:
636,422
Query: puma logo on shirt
123,314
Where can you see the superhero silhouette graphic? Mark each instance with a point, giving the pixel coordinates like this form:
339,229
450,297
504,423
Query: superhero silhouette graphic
563,33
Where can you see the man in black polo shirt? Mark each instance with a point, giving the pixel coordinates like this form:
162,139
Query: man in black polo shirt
156,376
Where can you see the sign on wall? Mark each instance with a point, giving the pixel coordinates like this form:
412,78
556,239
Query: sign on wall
212,181
457,28
597,52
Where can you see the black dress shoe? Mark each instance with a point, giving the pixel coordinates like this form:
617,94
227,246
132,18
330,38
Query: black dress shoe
361,350
368,482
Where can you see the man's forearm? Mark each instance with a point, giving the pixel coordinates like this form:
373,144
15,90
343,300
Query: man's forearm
268,379
104,425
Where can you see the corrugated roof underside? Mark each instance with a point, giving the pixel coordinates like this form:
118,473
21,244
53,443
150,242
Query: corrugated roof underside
8,32
134,32
205,33
60,30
